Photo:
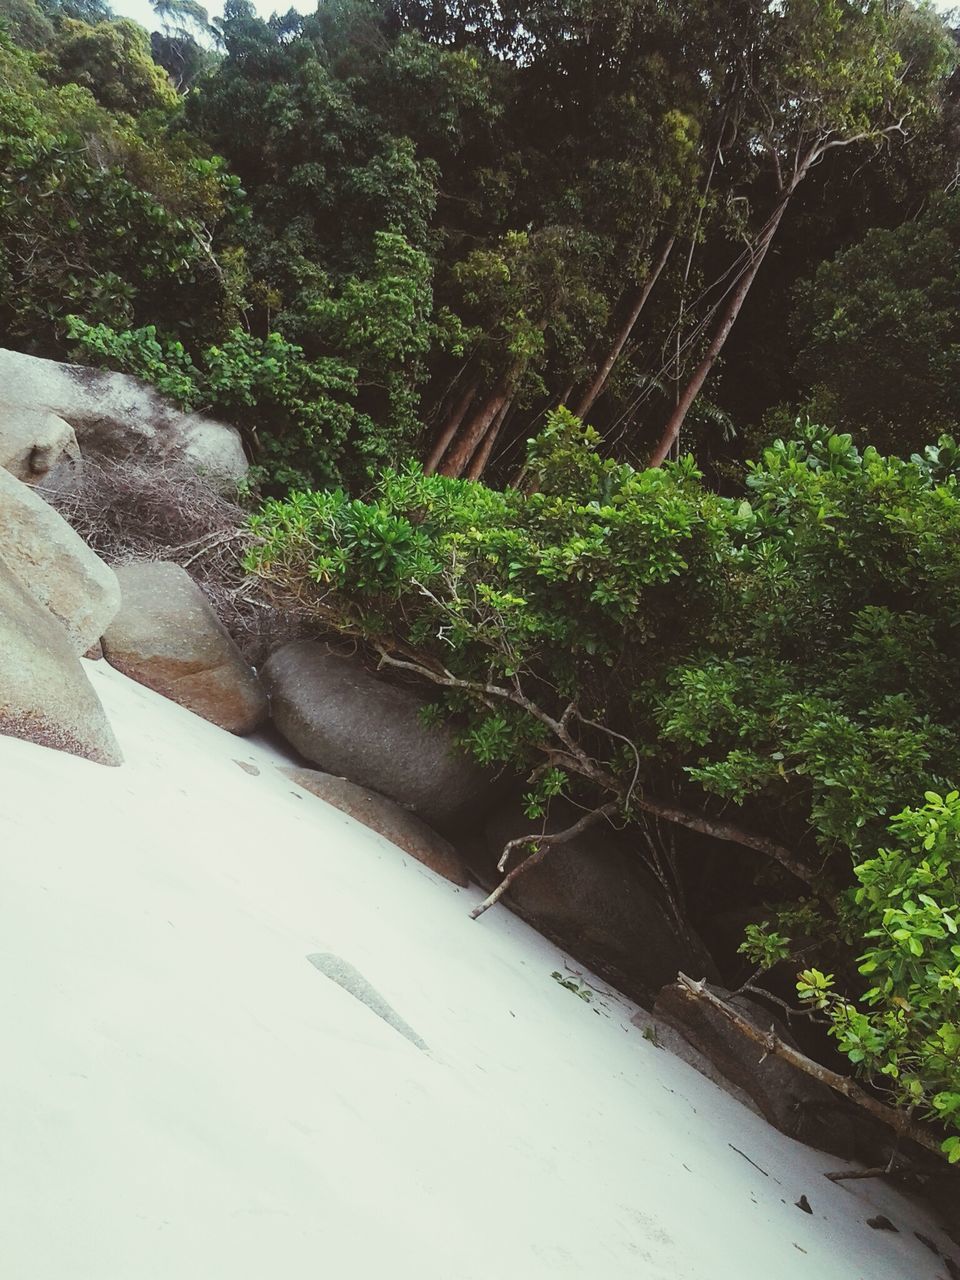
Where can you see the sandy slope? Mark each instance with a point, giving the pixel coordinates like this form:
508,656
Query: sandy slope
185,1096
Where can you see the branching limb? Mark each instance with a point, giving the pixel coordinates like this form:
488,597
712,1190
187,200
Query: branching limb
730,832
576,759
899,1121
543,845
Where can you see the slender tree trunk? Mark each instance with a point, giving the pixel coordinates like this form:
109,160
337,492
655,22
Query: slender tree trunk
596,388
449,430
469,436
729,318
482,456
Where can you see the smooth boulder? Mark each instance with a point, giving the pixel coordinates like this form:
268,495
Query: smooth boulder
388,819
595,897
55,564
167,636
353,724
39,448
117,417
45,696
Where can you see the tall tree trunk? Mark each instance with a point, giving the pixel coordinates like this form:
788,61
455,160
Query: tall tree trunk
482,456
469,437
449,430
595,390
729,318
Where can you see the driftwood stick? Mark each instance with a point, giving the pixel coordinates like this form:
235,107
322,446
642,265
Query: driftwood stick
898,1121
543,845
849,1175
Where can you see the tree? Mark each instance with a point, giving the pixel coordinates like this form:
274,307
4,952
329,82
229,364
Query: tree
97,220
112,60
26,23
773,673
878,333
180,47
810,77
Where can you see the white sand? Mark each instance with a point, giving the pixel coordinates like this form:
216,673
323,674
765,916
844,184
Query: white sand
184,1096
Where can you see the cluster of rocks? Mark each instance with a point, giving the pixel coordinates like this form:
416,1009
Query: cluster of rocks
54,416
59,601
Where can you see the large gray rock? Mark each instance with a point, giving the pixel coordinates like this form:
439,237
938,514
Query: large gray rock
166,636
38,447
118,417
388,819
350,723
45,696
55,564
594,896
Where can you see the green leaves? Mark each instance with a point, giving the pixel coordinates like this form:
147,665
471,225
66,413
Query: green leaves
906,1027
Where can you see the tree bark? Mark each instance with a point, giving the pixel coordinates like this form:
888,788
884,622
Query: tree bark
449,430
596,388
469,436
899,1121
729,318
482,456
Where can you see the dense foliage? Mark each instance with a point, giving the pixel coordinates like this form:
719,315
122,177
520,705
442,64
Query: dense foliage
459,217
637,640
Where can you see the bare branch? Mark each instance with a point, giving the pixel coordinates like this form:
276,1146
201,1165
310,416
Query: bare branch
899,1121
544,843
578,761
729,832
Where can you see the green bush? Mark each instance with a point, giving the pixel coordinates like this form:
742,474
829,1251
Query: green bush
905,1028
295,412
775,671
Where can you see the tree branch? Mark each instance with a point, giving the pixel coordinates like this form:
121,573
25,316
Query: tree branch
729,832
544,843
899,1121
580,762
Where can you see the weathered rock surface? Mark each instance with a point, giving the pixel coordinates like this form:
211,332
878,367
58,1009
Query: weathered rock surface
595,897
388,819
45,696
38,447
166,636
116,416
350,723
55,564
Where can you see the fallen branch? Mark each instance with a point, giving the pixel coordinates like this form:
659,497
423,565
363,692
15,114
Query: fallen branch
898,1121
544,843
850,1175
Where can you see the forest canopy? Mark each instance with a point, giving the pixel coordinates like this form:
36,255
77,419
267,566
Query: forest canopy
395,230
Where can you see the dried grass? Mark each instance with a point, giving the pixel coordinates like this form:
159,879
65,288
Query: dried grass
127,512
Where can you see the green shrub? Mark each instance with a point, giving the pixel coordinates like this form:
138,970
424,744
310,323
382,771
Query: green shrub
775,671
295,412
